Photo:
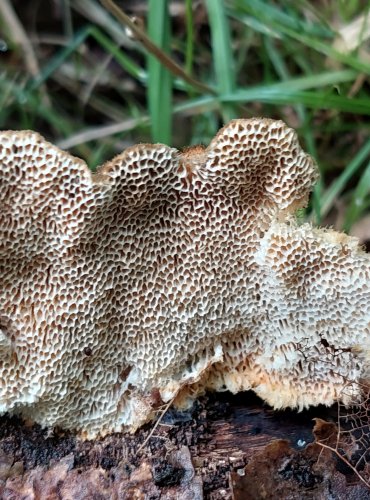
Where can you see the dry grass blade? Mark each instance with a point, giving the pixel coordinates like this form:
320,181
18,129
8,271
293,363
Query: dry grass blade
353,35
98,16
96,133
20,37
153,49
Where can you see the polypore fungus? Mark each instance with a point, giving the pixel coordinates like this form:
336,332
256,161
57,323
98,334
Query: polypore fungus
169,273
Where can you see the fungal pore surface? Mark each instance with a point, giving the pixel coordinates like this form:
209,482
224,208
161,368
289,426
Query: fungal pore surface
168,273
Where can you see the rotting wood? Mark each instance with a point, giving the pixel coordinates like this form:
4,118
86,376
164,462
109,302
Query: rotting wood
226,447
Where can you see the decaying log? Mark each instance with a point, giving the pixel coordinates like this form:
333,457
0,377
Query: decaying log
227,447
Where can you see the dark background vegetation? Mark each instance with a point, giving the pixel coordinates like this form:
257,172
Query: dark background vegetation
74,72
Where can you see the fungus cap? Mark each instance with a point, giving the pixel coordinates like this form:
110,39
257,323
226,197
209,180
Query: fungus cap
168,273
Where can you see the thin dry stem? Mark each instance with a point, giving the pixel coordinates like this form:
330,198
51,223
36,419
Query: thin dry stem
19,36
95,133
162,414
154,49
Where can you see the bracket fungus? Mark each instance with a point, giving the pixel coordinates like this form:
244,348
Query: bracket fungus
167,273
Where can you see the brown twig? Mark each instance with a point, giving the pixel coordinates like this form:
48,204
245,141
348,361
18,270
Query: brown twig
153,49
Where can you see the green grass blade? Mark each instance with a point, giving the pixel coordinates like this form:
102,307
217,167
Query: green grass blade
127,63
340,182
358,200
304,82
159,90
295,89
313,100
189,51
221,50
30,103
56,61
297,29
283,20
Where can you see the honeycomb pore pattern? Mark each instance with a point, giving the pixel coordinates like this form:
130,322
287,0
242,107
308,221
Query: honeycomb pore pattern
167,273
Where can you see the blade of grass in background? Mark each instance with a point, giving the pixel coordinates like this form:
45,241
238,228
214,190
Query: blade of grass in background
298,30
28,103
313,100
79,38
159,89
201,105
189,51
338,186
287,17
221,52
153,48
358,200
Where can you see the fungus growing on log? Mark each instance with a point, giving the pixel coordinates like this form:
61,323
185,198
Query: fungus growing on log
168,273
